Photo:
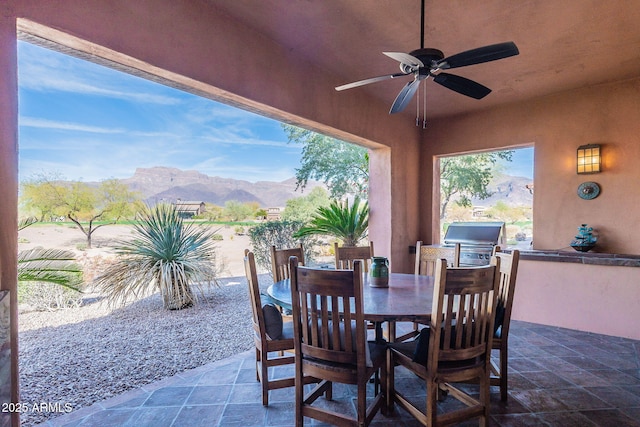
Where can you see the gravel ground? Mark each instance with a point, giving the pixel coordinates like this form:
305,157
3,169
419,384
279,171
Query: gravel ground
84,355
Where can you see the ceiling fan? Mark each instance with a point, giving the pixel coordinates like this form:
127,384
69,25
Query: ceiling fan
427,62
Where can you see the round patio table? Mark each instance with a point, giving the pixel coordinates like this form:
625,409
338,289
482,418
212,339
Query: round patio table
407,299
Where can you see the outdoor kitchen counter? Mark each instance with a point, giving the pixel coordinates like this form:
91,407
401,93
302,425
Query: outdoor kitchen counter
593,258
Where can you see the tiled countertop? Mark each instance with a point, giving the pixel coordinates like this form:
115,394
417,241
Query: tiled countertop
594,258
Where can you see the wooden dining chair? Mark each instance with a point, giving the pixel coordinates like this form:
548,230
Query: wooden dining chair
508,272
280,261
330,344
427,257
346,255
455,347
271,335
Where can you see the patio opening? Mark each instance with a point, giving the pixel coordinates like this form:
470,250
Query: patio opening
46,125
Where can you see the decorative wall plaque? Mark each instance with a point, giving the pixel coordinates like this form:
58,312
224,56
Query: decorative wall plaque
588,190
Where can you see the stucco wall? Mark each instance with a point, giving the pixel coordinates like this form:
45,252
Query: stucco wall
600,299
557,125
8,186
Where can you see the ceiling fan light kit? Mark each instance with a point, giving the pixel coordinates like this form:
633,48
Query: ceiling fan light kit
425,63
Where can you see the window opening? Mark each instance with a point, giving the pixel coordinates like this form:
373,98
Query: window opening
489,187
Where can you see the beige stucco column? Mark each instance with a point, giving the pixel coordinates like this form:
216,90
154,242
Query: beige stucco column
9,184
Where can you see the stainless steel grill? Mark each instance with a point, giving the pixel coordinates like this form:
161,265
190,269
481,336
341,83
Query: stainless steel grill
477,240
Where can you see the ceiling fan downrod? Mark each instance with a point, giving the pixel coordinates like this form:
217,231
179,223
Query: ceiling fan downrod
422,26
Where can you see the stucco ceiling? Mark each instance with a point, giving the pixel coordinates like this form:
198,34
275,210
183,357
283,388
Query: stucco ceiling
563,45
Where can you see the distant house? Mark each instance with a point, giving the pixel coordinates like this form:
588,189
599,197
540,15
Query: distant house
274,214
189,209
479,212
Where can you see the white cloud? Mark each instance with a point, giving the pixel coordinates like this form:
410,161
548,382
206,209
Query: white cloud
51,124
43,70
230,138
34,122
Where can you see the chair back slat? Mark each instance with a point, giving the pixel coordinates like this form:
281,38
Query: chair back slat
347,255
280,261
427,255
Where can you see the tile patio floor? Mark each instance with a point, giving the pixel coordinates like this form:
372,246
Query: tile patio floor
558,377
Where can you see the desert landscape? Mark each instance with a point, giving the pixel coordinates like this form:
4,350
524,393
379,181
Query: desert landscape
79,356
67,236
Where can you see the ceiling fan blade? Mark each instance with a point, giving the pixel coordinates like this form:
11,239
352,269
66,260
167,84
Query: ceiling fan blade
479,55
462,85
404,96
371,80
405,58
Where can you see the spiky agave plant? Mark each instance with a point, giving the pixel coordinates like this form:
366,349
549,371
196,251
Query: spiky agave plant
166,254
348,223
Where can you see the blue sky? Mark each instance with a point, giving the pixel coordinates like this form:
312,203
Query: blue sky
88,122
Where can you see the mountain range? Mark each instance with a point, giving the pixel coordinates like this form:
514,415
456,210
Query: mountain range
512,190
170,184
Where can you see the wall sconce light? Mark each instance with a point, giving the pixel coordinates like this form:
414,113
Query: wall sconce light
589,159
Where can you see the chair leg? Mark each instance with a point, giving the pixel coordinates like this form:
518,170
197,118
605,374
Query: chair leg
362,404
503,372
299,393
264,368
257,364
384,389
485,399
390,387
432,403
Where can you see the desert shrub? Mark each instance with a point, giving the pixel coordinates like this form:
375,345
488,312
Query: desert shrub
239,230
512,230
217,237
94,265
42,296
280,235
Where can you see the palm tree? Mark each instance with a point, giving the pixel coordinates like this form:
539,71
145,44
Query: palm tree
55,266
166,255
348,223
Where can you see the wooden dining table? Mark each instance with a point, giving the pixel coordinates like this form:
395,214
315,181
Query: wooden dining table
408,298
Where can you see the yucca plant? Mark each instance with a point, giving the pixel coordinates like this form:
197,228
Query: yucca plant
166,255
347,223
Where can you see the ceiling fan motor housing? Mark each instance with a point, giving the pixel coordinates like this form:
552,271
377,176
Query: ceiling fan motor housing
428,56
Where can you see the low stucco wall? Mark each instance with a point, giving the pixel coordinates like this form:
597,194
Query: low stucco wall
594,298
